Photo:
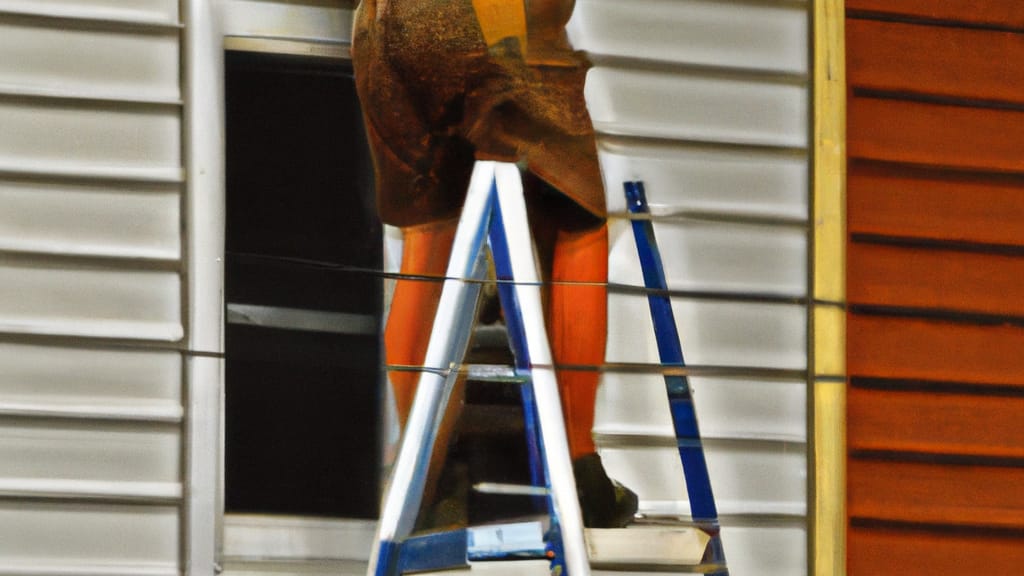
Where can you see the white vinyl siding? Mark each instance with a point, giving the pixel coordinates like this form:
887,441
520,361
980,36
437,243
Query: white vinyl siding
51,298
711,256
84,538
93,303
139,456
90,61
74,381
705,178
728,408
131,12
90,219
766,36
707,102
692,106
719,334
43,133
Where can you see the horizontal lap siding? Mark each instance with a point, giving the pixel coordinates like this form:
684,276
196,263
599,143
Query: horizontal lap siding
969,423
947,207
937,492
896,346
931,134
904,550
92,299
707,102
948,279
936,257
901,56
991,13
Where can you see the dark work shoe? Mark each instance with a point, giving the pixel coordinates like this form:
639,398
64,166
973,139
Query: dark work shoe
604,502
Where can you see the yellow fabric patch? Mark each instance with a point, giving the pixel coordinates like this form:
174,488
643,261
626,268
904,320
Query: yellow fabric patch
500,19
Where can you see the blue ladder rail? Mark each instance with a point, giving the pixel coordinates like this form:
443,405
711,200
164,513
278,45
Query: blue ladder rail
680,398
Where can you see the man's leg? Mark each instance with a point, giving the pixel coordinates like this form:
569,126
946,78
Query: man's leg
425,253
410,322
579,325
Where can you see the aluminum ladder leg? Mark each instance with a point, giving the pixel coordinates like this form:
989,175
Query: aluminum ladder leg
684,417
494,203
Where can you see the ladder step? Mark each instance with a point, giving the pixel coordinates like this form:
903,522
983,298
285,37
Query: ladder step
519,540
494,373
636,548
434,551
511,489
645,547
457,548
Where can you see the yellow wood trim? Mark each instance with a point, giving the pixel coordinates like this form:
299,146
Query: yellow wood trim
829,152
829,342
828,523
829,540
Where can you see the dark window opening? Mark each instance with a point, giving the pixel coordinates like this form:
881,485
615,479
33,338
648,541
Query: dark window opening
303,347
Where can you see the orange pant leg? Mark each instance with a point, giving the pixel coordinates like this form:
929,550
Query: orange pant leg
414,304
579,323
578,318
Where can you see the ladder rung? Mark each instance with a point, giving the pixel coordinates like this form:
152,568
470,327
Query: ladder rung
635,548
494,373
518,540
456,548
511,489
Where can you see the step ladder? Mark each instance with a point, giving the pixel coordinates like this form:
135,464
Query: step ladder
495,213
677,385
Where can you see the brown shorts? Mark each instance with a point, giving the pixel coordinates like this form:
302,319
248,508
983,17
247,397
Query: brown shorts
436,99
